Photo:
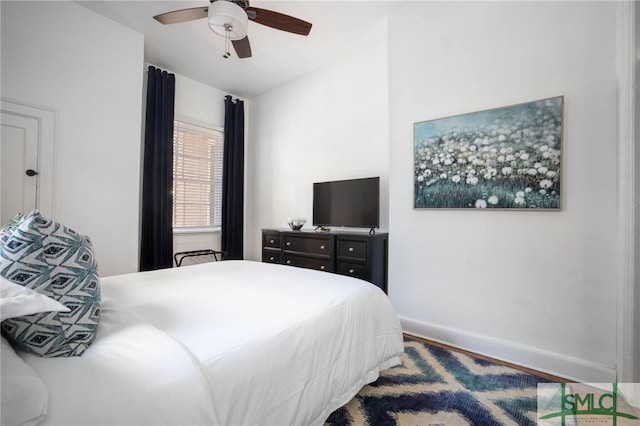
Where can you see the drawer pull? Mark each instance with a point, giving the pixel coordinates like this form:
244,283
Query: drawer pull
288,243
271,241
350,248
288,262
322,268
272,258
351,271
322,247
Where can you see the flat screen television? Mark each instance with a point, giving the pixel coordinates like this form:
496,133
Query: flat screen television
351,203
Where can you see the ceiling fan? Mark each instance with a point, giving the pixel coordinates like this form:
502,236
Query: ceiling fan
229,18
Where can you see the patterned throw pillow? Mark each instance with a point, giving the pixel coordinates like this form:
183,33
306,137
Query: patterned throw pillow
11,223
56,261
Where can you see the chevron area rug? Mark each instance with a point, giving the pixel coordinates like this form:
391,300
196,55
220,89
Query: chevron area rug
435,386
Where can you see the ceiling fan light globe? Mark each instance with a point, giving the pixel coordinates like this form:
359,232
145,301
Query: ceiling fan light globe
225,14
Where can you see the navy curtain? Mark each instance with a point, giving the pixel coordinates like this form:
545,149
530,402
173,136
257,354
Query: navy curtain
156,245
233,179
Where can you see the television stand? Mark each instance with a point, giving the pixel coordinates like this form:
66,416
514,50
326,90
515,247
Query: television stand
358,254
322,229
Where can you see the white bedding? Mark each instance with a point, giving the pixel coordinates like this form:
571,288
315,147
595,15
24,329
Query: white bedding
227,343
133,374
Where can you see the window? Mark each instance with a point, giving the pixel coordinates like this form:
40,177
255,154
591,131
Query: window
197,175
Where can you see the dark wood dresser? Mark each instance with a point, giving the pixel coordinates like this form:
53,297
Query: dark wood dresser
358,255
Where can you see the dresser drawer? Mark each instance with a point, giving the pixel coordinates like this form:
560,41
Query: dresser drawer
320,246
271,240
356,270
271,256
308,262
352,248
358,255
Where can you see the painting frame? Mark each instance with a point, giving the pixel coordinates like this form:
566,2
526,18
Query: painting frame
505,158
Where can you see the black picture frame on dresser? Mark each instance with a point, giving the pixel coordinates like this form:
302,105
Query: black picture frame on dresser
360,255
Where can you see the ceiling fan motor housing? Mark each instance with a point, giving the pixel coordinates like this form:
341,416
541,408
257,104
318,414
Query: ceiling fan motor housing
228,19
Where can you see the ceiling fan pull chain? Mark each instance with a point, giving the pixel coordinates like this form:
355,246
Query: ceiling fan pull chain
227,37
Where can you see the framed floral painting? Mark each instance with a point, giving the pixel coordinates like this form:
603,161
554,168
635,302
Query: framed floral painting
504,158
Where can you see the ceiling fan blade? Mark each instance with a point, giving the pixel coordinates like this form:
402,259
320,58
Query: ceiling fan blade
242,47
278,20
182,15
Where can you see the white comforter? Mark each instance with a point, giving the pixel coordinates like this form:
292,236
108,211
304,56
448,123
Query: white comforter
226,343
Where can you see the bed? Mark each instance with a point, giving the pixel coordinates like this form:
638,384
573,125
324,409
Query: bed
221,343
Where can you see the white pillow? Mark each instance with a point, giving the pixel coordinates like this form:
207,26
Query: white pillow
24,395
17,300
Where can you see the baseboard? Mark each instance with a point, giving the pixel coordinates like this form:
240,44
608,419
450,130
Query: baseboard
556,364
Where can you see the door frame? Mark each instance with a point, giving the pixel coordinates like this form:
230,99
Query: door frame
628,358
48,154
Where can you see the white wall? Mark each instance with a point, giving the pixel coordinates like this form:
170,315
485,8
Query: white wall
536,288
329,125
197,101
89,70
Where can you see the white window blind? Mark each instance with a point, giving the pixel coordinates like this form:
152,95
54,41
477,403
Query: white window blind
197,175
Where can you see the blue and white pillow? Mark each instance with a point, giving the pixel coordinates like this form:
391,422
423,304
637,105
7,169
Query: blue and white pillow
59,263
9,225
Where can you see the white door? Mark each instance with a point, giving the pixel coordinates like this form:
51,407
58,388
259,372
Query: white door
18,165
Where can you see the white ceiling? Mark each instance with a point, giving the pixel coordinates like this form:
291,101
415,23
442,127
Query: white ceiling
191,49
